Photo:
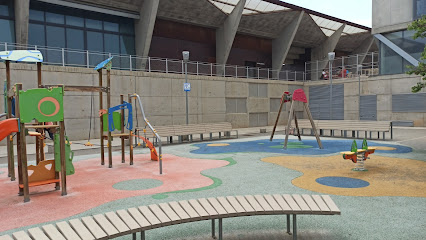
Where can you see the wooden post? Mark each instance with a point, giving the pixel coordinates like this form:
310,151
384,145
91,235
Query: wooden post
9,141
313,125
23,151
123,156
108,107
287,131
130,137
101,120
63,162
297,126
276,121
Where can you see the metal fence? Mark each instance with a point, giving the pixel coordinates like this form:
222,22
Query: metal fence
369,66
89,59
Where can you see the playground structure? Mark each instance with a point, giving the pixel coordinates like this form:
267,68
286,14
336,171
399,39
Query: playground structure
43,106
359,156
297,96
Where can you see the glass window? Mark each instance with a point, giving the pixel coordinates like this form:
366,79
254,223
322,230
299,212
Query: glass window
127,45
36,34
112,43
8,31
95,43
4,10
75,40
36,15
420,6
54,18
95,24
111,26
55,37
126,26
74,21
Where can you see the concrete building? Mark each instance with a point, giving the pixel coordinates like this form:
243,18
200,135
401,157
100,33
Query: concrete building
247,33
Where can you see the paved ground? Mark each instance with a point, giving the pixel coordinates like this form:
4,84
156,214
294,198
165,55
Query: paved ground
374,216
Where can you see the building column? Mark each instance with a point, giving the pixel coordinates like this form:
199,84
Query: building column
282,44
225,36
362,49
22,14
320,53
144,27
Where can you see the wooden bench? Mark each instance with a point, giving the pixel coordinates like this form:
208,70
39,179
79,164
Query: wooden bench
140,219
179,131
348,125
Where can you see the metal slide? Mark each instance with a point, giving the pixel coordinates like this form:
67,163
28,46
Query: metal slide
152,129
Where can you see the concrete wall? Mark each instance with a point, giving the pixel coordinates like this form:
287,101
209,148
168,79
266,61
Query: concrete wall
384,87
164,99
391,15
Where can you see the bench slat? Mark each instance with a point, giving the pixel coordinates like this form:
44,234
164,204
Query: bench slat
207,206
302,204
283,204
117,223
105,225
21,235
327,199
179,210
52,232
262,202
189,210
255,205
5,237
128,220
216,205
159,213
94,228
235,204
67,231
227,206
246,205
149,215
271,201
37,234
311,203
81,230
139,218
197,207
169,211
290,201
321,204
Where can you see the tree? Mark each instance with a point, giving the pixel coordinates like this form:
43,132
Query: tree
419,26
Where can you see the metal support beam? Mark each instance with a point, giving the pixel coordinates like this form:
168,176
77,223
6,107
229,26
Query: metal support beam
225,36
397,49
144,28
282,44
321,51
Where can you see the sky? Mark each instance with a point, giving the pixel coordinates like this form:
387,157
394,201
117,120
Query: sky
356,11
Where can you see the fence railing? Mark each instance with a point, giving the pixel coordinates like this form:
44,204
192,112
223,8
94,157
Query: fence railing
368,66
89,59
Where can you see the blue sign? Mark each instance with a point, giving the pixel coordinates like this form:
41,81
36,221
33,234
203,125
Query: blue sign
187,87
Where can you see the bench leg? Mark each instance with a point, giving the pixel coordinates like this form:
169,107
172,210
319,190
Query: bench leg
134,236
142,235
294,227
220,135
288,224
213,229
383,135
211,136
201,137
220,229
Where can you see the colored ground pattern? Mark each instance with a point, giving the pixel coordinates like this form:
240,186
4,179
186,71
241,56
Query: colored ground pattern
93,185
386,176
305,147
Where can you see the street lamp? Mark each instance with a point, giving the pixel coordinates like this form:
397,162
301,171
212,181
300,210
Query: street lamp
358,70
331,56
185,55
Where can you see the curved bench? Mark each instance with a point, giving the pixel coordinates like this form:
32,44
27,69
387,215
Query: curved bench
141,219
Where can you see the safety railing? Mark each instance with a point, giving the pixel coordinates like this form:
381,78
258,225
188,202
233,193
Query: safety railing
344,67
89,59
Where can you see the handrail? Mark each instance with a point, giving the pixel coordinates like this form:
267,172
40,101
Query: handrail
2,115
160,157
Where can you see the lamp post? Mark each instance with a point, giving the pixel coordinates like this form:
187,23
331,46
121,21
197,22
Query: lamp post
358,70
185,55
331,56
